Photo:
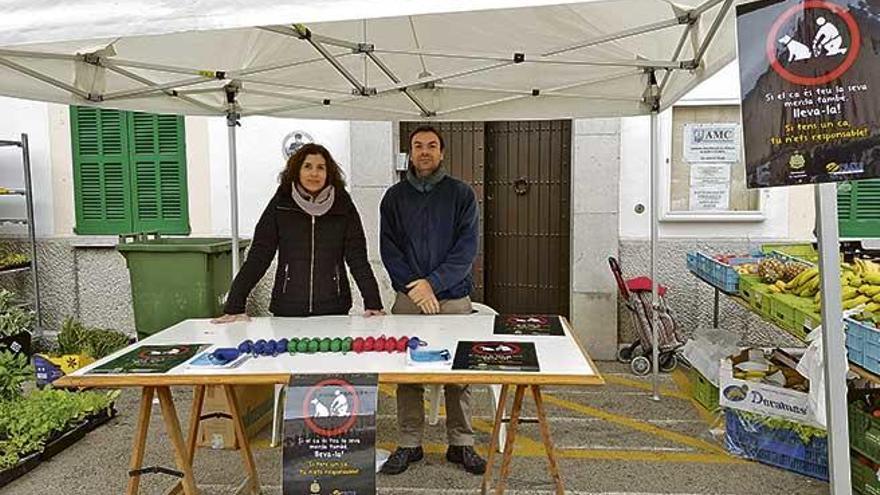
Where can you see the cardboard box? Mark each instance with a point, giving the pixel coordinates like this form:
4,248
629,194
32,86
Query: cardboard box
255,403
763,398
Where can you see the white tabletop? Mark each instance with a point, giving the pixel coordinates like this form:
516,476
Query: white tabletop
561,359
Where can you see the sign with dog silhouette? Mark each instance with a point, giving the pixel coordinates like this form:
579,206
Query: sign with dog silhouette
528,324
496,356
330,435
810,85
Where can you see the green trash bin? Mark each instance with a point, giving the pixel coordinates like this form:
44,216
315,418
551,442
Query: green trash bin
173,279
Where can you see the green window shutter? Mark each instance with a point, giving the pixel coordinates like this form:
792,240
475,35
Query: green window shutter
100,171
858,205
158,171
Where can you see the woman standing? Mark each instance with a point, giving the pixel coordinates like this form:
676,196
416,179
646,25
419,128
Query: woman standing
316,229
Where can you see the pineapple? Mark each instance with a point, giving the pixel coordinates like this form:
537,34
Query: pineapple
771,270
792,270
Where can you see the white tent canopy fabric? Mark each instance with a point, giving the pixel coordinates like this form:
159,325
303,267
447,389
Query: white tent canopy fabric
359,60
388,60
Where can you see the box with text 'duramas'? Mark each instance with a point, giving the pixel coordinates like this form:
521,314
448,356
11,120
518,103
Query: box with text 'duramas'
255,403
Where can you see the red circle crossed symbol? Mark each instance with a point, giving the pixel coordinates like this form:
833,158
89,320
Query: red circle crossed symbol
489,348
349,422
851,54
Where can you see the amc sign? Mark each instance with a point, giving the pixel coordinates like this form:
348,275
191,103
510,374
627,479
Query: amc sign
711,143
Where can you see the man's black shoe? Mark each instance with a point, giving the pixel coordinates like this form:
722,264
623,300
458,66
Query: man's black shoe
467,457
401,459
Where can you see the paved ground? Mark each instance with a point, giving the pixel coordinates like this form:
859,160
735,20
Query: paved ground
611,440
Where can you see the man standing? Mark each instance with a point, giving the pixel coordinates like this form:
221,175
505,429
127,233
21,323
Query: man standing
428,238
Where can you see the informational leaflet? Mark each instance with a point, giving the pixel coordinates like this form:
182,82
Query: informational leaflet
496,356
149,359
710,187
330,434
528,324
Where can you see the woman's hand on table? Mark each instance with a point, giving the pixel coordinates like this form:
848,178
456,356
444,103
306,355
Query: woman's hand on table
231,318
374,312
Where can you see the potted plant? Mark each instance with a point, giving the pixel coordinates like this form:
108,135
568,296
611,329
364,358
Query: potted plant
11,261
78,345
16,323
37,425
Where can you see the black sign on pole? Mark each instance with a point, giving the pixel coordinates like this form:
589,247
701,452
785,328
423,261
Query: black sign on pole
330,435
810,83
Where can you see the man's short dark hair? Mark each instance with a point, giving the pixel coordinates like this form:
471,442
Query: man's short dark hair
427,128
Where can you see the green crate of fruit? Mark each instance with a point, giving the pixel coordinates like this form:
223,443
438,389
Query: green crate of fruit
747,285
782,312
864,430
756,293
703,391
798,250
864,476
807,319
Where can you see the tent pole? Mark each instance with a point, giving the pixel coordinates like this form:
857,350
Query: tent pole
833,345
655,220
232,121
654,100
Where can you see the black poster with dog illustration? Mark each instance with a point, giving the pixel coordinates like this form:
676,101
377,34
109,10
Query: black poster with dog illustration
522,324
810,85
330,435
495,356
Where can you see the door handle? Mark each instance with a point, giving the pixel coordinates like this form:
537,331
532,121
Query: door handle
520,186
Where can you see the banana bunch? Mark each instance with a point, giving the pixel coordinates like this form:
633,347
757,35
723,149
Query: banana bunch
805,284
860,283
867,268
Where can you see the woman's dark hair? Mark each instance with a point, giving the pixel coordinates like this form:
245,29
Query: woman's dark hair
290,174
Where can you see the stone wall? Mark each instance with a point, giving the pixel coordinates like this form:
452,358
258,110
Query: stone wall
691,299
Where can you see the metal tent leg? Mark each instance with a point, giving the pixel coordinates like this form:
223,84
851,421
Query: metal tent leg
833,345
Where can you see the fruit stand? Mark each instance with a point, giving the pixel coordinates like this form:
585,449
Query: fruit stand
781,284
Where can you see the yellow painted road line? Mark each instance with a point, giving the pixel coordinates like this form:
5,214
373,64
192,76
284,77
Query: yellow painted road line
261,443
648,456
684,384
525,442
599,455
629,382
522,441
635,425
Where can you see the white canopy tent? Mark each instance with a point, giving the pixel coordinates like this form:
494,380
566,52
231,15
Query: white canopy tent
377,60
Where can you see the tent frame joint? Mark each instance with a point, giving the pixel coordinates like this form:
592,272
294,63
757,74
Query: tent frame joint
652,91
302,32
364,91
233,115
92,59
364,48
233,119
689,18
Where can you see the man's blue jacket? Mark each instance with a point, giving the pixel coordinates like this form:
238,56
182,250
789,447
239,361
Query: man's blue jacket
432,235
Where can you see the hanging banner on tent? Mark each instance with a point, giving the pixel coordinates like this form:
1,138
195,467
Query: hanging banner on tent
330,435
810,82
711,143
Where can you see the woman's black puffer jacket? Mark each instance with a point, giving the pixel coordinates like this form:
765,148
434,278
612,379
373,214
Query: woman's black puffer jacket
312,253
